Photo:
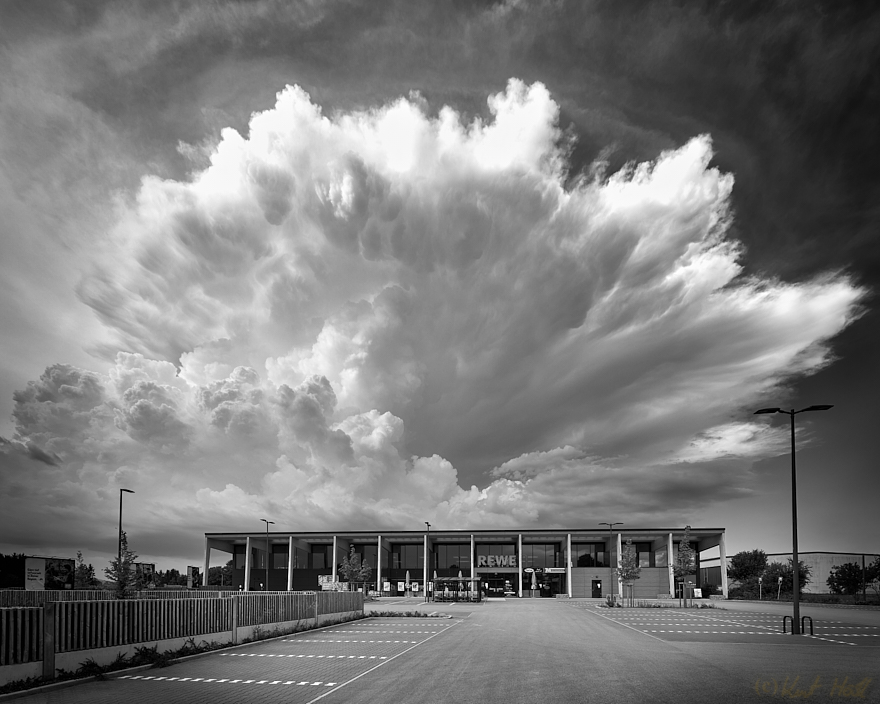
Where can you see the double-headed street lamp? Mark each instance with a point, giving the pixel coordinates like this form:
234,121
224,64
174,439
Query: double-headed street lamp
610,539
119,552
796,586
268,554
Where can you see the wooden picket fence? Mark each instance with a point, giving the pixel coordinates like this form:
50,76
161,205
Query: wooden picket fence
101,623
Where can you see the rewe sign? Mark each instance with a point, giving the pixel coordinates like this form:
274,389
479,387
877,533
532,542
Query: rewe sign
496,560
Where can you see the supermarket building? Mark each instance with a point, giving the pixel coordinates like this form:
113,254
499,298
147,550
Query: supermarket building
545,563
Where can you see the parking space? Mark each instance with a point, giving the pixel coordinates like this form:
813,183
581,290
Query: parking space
717,626
297,668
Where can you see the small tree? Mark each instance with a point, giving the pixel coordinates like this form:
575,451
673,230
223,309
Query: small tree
686,561
352,569
121,574
846,579
629,569
84,576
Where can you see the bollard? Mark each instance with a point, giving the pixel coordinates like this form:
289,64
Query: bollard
784,619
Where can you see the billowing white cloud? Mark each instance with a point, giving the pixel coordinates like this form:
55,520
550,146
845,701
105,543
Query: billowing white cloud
347,320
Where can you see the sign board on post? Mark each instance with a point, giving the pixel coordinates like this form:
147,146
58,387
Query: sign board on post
698,593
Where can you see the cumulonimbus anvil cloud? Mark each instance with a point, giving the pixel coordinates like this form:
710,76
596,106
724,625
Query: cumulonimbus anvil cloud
316,323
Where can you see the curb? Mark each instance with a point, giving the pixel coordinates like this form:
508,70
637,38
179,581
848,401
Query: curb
51,687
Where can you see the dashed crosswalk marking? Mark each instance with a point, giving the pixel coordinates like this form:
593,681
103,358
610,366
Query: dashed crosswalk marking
144,678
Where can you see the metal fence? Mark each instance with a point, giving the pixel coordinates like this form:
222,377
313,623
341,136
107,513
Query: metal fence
21,635
101,623
20,597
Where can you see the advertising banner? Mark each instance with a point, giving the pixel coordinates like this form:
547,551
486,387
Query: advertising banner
34,574
60,574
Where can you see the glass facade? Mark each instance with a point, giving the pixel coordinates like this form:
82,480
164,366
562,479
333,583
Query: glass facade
407,557
453,557
504,549
321,557
280,557
660,557
541,555
588,555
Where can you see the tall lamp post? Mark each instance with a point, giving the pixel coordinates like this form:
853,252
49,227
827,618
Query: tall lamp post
796,586
268,554
610,539
119,551
427,547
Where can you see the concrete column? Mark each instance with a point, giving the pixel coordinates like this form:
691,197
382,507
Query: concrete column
722,553
619,580
669,564
207,562
519,563
425,575
379,564
290,556
247,564
567,567
474,563
235,607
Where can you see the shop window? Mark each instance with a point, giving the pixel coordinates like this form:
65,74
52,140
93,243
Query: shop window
660,557
588,554
453,556
407,557
280,559
321,557
541,555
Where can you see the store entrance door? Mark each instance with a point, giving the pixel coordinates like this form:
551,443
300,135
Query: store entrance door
498,585
597,588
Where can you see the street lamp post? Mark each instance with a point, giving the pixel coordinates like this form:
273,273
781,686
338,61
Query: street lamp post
427,548
796,585
268,554
119,543
610,539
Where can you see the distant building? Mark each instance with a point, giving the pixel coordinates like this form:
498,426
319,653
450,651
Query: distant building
820,564
545,563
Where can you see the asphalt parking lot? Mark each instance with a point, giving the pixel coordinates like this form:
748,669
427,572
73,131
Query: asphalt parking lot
300,668
520,652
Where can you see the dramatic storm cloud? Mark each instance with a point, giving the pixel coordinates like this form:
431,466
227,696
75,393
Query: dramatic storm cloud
373,318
